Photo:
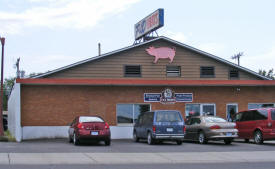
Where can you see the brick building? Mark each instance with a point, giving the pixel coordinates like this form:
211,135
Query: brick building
121,84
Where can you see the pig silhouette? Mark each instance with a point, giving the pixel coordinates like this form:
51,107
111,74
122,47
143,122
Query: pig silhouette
162,53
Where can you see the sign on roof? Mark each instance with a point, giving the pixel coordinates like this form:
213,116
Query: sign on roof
149,24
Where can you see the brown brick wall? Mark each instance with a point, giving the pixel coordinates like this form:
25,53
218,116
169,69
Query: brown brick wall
58,105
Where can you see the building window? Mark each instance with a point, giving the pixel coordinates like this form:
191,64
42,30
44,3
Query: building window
132,71
233,74
128,113
260,105
173,71
200,109
207,71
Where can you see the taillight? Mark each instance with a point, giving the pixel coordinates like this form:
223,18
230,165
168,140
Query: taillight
184,129
215,127
154,128
80,126
269,124
106,126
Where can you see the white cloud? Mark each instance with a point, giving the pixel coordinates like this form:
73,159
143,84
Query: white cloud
212,48
179,36
81,14
260,61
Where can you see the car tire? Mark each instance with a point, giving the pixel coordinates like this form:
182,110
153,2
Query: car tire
107,142
179,142
227,141
150,139
75,140
246,140
135,138
258,137
202,139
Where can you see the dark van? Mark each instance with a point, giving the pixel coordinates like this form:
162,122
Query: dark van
159,125
257,124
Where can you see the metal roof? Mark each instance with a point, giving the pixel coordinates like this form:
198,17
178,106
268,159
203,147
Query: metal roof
143,43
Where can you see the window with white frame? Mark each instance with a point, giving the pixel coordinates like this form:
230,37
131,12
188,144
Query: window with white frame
260,105
200,109
128,113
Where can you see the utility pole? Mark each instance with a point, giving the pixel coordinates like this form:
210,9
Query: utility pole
1,99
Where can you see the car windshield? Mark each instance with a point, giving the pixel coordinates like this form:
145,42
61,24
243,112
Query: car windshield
85,119
168,116
214,120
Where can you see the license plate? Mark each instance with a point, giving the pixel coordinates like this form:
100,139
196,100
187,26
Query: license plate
228,134
169,129
94,133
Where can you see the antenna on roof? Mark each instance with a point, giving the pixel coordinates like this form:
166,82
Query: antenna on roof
237,56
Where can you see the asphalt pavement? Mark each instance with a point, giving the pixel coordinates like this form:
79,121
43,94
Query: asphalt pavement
59,153
128,146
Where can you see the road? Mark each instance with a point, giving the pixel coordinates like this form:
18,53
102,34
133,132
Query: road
127,154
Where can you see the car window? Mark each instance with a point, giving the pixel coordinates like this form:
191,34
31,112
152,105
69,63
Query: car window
147,118
85,119
140,119
273,114
214,120
261,114
168,116
244,116
239,116
195,121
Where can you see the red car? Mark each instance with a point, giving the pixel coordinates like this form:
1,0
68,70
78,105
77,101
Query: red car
257,124
89,128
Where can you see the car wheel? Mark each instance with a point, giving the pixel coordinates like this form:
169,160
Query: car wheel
227,141
75,140
258,137
179,142
246,140
107,142
150,140
136,139
202,139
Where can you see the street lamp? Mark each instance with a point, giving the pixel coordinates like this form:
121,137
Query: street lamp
2,39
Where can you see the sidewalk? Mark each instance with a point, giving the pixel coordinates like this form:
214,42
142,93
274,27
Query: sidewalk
135,158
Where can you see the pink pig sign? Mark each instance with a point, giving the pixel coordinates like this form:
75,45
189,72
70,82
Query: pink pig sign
162,53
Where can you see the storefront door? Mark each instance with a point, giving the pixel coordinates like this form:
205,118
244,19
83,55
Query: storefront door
231,110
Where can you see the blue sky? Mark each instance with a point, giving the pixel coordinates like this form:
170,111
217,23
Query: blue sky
48,34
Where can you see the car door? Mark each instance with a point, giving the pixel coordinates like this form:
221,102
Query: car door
71,128
245,124
194,127
138,125
144,125
187,129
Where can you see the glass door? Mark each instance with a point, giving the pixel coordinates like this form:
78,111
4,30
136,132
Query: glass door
231,110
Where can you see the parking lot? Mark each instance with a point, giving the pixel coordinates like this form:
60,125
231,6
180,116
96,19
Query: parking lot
128,146
58,153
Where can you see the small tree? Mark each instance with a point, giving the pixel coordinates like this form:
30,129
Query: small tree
268,74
